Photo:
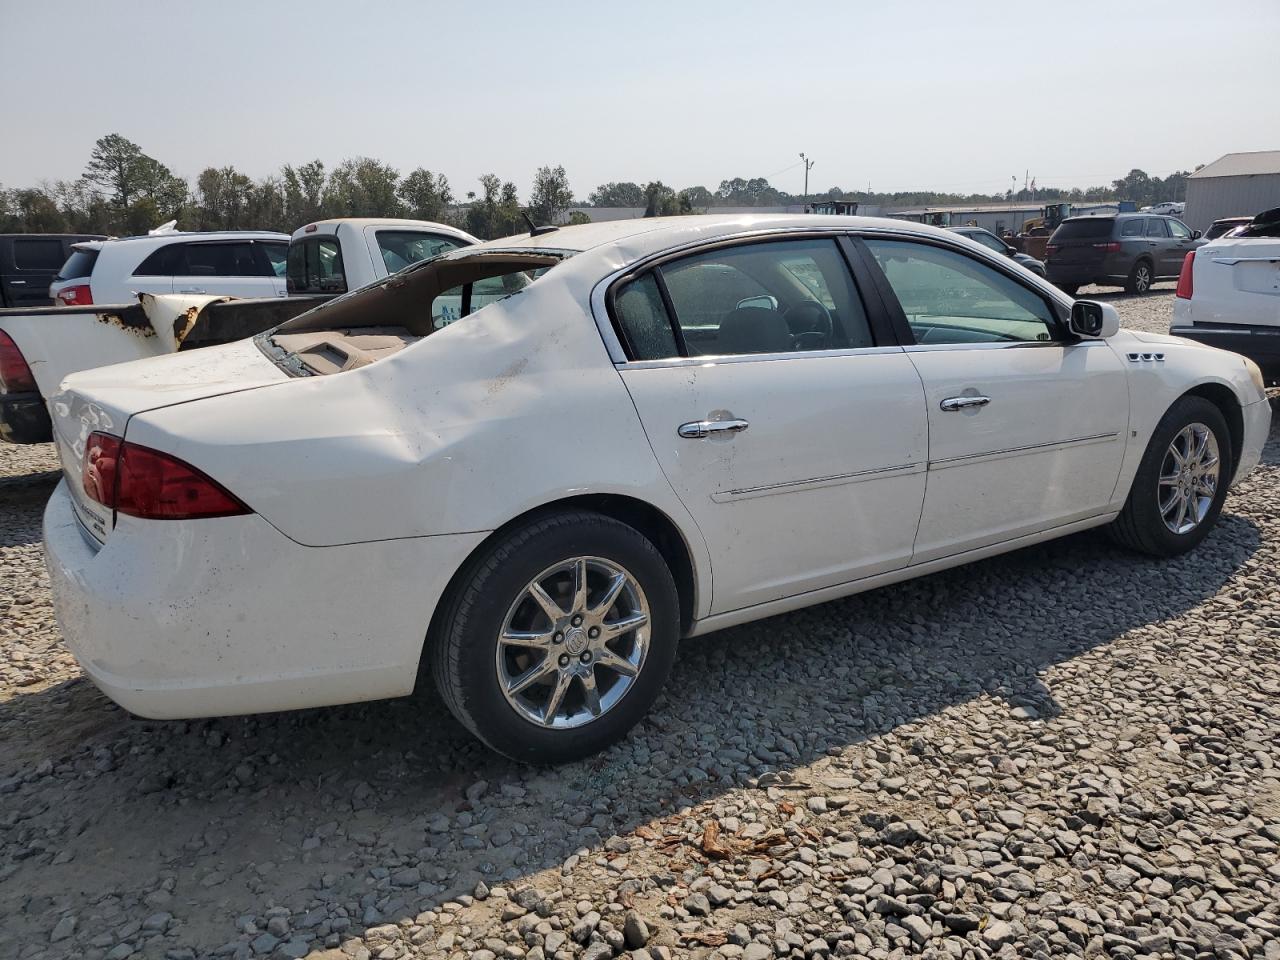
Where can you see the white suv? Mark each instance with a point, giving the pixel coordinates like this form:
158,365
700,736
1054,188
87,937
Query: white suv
233,263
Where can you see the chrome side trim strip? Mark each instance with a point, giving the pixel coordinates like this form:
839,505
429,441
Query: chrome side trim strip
712,360
817,483
1020,451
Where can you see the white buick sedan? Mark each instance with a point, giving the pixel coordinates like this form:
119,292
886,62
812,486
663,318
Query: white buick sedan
629,433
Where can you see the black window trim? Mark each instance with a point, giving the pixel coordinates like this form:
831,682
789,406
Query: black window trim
881,330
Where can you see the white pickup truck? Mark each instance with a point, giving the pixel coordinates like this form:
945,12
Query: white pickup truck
40,346
1229,294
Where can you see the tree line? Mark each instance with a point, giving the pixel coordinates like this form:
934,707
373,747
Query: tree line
125,191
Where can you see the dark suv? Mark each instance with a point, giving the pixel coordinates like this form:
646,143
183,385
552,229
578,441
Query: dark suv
1133,249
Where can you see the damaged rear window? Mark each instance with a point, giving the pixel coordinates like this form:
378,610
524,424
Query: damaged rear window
384,317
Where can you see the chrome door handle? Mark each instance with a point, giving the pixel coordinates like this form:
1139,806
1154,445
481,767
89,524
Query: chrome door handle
192,290
698,429
960,403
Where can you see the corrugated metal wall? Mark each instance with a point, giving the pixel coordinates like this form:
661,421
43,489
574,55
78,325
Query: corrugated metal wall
1210,198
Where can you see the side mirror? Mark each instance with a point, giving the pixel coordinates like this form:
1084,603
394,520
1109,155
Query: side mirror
1091,320
764,302
1195,234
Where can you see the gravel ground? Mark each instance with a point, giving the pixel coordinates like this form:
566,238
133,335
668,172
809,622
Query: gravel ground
1066,751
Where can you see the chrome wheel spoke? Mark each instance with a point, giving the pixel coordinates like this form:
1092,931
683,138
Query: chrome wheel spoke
625,625
543,599
579,586
535,639
610,595
618,664
539,671
1183,503
590,692
563,679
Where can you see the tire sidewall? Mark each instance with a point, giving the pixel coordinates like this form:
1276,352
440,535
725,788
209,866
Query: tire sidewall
479,619
1144,495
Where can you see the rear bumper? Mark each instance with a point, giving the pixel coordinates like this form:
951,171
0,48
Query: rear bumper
1078,273
206,618
24,419
1259,344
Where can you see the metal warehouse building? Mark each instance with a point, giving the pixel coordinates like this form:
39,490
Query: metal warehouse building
1237,185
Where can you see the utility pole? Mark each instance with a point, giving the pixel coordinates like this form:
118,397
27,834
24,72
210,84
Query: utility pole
808,165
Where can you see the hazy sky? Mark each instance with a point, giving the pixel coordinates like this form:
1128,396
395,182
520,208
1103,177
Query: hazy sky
902,95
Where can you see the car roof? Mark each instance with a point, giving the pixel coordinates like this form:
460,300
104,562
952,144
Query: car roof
642,236
200,235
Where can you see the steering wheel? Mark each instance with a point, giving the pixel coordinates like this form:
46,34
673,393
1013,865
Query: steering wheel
810,324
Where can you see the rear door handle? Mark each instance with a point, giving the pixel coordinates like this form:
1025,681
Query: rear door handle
960,403
192,290
698,429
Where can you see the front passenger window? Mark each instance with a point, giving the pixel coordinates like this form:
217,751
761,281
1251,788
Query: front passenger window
949,297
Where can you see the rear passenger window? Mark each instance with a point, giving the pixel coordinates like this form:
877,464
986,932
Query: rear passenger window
315,266
1156,228
643,321
40,253
1132,228
219,260
277,256
160,263
758,298
403,247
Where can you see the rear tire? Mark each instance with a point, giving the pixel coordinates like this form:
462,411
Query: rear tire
1140,278
579,696
1150,514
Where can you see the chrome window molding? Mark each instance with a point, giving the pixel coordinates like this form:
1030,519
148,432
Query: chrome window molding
1001,345
599,304
712,360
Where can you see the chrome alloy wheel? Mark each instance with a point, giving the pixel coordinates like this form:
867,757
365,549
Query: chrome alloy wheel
1142,278
573,643
1189,478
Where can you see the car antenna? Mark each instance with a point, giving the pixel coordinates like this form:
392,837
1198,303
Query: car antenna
534,229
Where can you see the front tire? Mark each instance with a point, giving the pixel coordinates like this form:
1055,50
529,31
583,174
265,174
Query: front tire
556,640
1180,485
1140,278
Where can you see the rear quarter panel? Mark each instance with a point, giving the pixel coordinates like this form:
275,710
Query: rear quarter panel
515,407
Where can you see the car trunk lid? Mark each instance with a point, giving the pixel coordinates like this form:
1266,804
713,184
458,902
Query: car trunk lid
106,398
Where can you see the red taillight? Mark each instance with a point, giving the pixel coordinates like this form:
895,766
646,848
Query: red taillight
15,374
1051,248
1112,247
1186,285
98,469
146,483
78,296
